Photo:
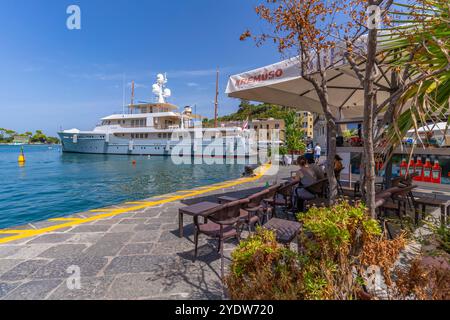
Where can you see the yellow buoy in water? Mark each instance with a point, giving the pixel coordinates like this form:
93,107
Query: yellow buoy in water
21,158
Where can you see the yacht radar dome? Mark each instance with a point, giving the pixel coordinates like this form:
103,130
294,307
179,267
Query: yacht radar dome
188,110
160,90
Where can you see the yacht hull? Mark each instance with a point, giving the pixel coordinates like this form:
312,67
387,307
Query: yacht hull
98,144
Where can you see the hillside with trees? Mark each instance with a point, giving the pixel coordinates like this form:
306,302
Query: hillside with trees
295,135
251,111
7,136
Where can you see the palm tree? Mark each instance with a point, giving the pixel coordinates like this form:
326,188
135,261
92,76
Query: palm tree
418,50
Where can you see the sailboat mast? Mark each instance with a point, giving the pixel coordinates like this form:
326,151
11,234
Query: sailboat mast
216,102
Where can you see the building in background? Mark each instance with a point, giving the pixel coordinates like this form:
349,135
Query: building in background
320,130
21,139
264,128
308,123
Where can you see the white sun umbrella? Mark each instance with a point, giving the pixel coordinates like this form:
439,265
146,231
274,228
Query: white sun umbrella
281,83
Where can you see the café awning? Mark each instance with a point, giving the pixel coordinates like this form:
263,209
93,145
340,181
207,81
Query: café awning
281,83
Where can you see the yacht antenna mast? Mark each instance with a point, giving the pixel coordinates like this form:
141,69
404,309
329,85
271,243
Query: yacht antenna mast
132,98
216,102
123,93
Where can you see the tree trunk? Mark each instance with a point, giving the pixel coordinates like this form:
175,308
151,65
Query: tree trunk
331,153
369,121
369,164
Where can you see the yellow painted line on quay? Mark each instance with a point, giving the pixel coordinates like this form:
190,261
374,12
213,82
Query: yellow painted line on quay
109,213
11,231
66,219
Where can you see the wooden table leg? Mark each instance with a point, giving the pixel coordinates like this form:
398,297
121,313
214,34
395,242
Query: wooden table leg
180,223
443,215
416,216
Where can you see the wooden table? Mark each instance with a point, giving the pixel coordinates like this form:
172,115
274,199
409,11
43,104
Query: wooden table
197,209
424,202
226,199
286,230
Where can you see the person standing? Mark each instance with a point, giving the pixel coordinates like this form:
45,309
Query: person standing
317,153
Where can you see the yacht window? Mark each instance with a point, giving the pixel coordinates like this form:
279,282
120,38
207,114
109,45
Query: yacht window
141,122
132,136
164,135
142,136
159,135
144,110
146,135
132,123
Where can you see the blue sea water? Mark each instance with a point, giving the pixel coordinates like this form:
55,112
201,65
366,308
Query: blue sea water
53,184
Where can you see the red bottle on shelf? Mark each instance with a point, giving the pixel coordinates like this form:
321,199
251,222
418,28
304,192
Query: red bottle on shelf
419,170
411,167
427,168
403,168
436,175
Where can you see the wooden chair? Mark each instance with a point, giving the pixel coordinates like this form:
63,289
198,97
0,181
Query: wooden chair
268,201
283,197
317,190
223,224
400,198
254,212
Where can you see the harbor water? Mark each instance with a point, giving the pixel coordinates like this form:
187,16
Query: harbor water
53,184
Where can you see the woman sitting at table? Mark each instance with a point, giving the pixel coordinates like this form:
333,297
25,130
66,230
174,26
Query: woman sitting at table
308,177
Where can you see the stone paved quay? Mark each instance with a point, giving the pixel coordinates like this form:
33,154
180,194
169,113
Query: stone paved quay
130,251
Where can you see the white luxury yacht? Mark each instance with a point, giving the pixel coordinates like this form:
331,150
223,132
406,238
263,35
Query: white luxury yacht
158,129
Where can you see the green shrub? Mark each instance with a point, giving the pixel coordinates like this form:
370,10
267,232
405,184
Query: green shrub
443,238
264,270
338,244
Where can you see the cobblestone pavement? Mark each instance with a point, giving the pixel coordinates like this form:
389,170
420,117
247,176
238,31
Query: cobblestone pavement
136,254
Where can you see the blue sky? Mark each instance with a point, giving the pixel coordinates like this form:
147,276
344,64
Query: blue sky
52,77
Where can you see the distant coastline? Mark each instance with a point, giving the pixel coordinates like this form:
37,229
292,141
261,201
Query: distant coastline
29,144
11,137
